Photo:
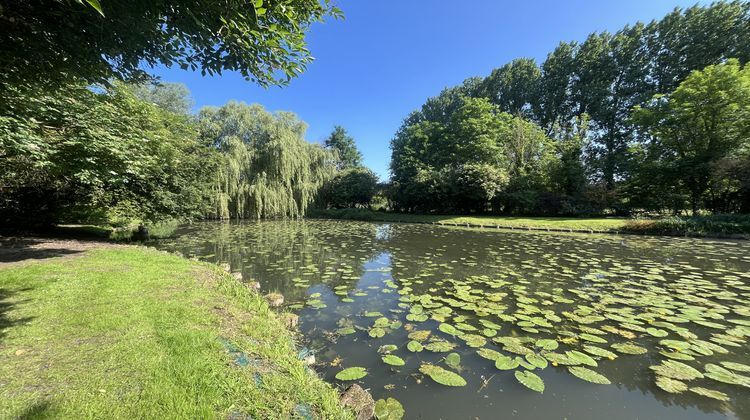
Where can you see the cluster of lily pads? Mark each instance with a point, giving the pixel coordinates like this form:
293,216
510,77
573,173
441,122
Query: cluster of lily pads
534,303
524,322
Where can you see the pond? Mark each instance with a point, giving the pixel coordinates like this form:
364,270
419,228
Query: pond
461,323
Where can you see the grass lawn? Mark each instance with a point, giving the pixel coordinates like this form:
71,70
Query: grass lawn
595,224
732,226
130,332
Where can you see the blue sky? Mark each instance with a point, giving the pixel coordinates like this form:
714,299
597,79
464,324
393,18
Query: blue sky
387,56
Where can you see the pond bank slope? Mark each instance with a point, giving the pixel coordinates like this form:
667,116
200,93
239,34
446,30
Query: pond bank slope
130,332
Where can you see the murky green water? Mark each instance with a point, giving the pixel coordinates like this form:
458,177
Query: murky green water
682,305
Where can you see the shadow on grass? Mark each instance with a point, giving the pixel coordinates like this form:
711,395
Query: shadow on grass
21,249
37,410
6,306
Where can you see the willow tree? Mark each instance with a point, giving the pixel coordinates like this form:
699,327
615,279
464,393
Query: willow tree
267,169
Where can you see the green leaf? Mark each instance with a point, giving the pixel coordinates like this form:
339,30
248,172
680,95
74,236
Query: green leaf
530,380
351,374
588,375
671,385
442,376
414,346
453,360
710,393
547,344
506,363
393,360
389,409
96,5
676,370
537,360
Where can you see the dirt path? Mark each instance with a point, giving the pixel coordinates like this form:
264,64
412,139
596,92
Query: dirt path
20,250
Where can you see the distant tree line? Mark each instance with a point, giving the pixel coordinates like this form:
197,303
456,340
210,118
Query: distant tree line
651,118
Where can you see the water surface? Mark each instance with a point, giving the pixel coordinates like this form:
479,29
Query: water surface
673,297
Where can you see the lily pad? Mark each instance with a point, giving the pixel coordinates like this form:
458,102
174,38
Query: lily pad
389,409
453,360
414,346
393,360
671,385
530,380
588,375
351,374
710,393
629,348
442,376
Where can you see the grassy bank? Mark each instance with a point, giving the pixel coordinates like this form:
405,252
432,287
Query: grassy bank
129,332
709,226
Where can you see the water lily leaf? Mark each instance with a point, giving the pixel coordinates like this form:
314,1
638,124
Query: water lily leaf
453,360
675,344
419,335
547,344
588,375
581,358
598,351
656,332
506,363
676,370
530,380
448,329
537,360
671,385
351,374
676,355
372,314
382,322
489,354
393,360
720,374
414,346
416,317
710,393
629,348
389,409
439,346
474,340
387,348
442,376
592,338
346,331
376,332
737,367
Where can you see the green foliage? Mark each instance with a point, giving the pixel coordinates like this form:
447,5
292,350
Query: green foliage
353,187
703,122
462,161
343,144
98,155
262,40
267,168
577,148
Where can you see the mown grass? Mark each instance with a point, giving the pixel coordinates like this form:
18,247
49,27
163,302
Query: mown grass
710,226
130,332
596,224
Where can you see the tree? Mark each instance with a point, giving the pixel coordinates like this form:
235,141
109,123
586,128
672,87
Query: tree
52,40
172,97
352,187
705,120
100,156
343,144
513,87
267,168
